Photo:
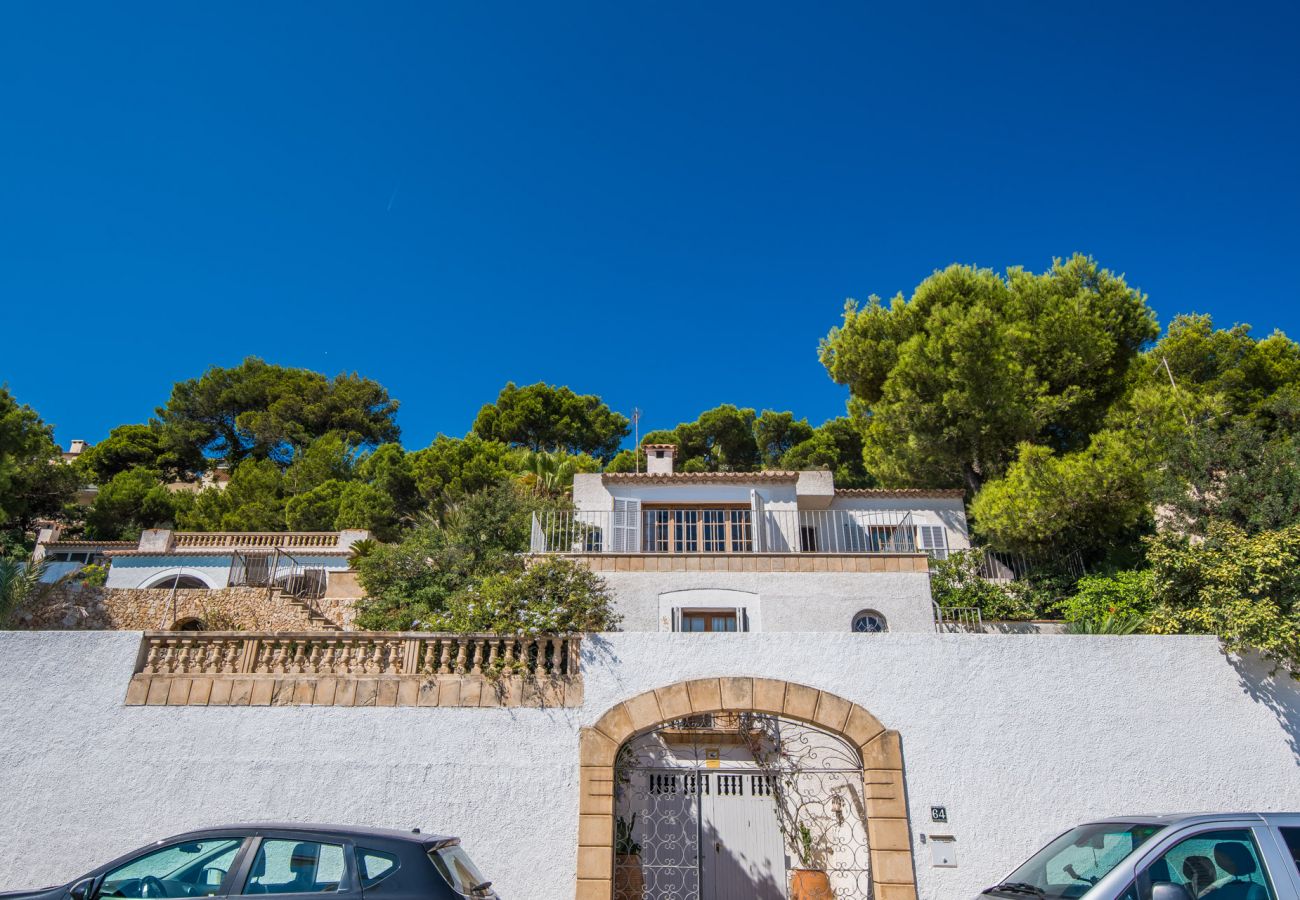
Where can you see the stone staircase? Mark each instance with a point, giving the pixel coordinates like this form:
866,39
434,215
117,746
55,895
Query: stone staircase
317,620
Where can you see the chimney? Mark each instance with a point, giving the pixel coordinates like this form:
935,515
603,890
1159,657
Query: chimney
76,448
659,458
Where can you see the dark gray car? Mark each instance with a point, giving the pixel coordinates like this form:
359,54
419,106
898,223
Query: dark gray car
292,862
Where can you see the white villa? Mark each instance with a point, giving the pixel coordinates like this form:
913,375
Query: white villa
756,551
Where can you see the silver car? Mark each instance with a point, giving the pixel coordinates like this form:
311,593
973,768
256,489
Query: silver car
1206,856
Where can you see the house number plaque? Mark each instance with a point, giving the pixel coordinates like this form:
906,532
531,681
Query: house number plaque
938,814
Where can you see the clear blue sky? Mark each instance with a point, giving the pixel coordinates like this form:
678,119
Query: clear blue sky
663,203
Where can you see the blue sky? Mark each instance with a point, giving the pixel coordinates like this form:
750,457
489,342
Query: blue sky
663,203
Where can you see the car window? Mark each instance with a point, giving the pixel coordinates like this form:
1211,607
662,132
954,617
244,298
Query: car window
457,869
192,869
375,866
295,867
1292,838
1214,865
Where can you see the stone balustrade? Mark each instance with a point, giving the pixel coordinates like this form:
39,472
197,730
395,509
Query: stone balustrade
355,669
208,540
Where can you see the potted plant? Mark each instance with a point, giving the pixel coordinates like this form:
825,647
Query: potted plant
809,881
629,882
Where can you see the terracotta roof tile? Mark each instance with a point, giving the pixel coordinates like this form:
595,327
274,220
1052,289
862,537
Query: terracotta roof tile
689,477
885,493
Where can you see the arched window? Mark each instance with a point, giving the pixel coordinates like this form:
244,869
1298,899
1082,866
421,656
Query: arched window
869,621
180,582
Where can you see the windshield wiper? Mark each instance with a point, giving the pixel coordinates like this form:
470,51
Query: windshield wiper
1016,887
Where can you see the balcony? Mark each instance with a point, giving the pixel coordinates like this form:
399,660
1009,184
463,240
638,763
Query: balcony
724,531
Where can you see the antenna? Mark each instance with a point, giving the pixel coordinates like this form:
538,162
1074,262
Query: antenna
636,449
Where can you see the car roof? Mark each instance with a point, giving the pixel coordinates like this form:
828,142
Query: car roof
349,831
1190,817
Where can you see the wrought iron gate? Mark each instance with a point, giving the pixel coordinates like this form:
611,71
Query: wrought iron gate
723,807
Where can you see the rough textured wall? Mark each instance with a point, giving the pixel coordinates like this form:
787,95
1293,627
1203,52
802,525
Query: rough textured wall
245,609
785,601
1019,736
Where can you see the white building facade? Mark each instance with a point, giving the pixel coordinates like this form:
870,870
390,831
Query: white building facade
756,551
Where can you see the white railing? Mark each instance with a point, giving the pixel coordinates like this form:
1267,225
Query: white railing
688,530
948,619
256,539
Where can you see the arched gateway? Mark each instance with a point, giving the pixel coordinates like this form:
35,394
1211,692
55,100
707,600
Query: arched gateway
623,762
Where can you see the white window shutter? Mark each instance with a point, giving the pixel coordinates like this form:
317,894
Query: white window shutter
933,540
760,522
626,530
677,618
742,619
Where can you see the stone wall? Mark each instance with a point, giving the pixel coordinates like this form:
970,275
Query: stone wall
78,606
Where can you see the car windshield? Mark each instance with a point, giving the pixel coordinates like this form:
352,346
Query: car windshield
459,870
1070,865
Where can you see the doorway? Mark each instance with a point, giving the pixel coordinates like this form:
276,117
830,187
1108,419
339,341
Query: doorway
727,806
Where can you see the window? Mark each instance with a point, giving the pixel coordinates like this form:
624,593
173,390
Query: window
1216,865
933,539
869,622
1070,865
692,620
1292,838
375,866
699,530
458,870
295,867
807,539
194,869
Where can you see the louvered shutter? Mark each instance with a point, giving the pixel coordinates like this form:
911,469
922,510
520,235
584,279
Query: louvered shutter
934,540
760,522
626,530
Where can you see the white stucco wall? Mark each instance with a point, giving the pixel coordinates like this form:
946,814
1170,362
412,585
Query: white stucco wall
780,601
143,571
950,512
1019,736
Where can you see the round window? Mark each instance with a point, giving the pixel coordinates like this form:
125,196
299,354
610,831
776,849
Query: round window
869,621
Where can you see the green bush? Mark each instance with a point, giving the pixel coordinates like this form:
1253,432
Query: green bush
1124,595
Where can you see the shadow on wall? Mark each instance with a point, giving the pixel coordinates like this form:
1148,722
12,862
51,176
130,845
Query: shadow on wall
1274,688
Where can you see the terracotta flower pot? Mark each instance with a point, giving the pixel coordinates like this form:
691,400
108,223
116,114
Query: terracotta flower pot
810,884
629,883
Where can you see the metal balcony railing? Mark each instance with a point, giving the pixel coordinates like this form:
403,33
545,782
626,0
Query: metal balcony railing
723,530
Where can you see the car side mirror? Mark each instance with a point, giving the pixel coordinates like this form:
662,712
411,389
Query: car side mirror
83,889
1168,891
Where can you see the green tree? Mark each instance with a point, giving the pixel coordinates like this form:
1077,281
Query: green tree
958,581
452,468
776,433
552,596
835,446
390,469
260,411
253,500
134,447
1240,586
365,506
945,385
30,487
720,440
544,417
328,458
316,509
129,502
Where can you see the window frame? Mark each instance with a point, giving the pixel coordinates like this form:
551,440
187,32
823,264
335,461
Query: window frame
223,890
349,884
709,615
711,529
1260,832
884,621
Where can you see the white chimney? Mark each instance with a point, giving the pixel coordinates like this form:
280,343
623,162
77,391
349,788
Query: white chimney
659,458
77,448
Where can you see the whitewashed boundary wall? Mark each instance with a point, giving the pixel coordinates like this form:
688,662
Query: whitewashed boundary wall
1017,735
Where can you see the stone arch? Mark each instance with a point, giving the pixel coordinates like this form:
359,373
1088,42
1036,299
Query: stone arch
889,835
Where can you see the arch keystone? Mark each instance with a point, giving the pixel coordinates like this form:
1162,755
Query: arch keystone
737,693
769,696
